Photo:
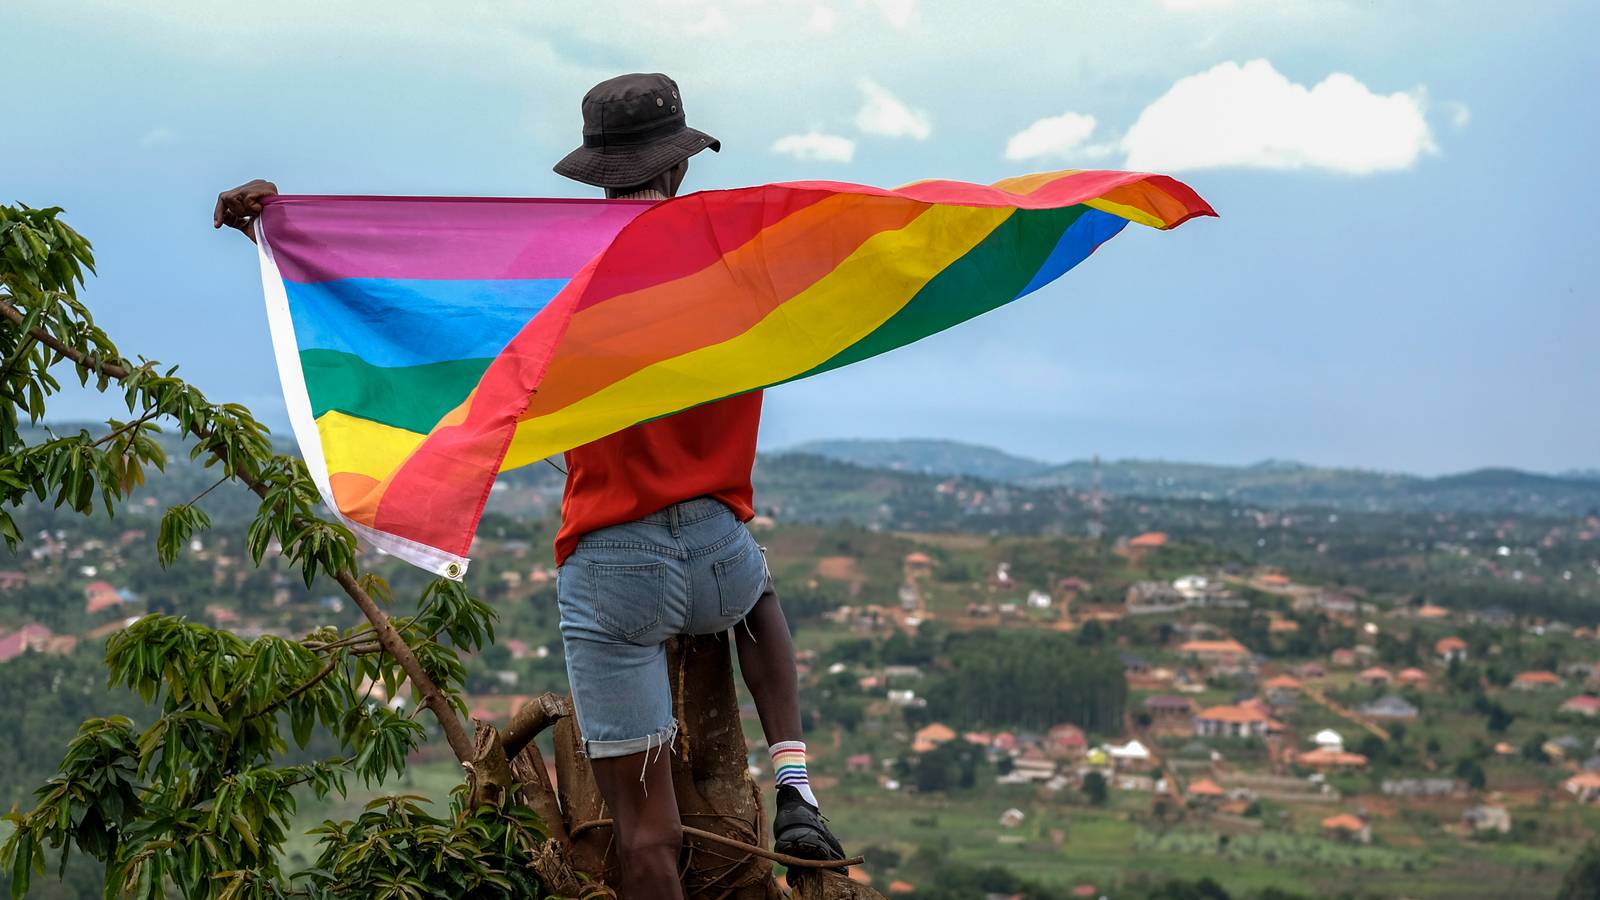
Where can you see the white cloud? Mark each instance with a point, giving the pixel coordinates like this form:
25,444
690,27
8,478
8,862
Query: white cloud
156,137
715,22
814,146
1460,113
822,20
898,13
1252,116
883,113
1055,136
1197,5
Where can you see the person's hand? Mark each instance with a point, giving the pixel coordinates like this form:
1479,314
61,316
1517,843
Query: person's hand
238,208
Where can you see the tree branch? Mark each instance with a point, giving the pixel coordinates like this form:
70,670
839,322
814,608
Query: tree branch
793,862
532,718
388,638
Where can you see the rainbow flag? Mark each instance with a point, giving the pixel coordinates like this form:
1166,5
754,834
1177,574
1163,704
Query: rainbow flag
427,344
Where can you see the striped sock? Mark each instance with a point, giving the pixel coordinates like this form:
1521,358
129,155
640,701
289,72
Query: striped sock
789,767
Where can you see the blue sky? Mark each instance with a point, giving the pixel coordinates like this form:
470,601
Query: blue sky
1402,277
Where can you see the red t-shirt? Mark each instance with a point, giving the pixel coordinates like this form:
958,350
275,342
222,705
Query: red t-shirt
707,451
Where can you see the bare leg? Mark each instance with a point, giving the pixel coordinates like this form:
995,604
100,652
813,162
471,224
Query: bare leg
648,831
766,660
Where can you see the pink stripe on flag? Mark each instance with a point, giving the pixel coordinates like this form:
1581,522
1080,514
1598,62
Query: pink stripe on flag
326,238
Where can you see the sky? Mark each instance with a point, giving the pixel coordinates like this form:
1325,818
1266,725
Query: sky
1401,277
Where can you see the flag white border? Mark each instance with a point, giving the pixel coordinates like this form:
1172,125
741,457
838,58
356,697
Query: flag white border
286,350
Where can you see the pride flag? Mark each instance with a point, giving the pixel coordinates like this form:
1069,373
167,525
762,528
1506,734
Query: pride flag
427,344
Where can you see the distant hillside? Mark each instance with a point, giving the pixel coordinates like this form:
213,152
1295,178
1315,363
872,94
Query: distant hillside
1274,483
930,457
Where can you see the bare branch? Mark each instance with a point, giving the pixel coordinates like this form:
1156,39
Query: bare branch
793,862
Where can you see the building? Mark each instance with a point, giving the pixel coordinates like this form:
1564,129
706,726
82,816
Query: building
1376,676
1171,713
1537,681
1150,540
1133,756
1343,658
1413,677
1391,707
1282,689
99,596
29,637
1328,739
1347,827
1450,649
1231,722
1582,705
1487,818
1333,603
1151,598
1331,760
1065,741
1204,790
1585,786
1227,652
1420,787
931,736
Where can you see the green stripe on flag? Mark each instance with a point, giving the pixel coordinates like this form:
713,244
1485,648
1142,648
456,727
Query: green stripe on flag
414,398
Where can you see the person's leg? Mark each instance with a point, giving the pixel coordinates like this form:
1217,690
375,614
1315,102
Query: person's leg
645,812
738,593
766,659
617,606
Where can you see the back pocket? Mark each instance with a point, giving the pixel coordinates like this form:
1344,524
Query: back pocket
628,599
740,578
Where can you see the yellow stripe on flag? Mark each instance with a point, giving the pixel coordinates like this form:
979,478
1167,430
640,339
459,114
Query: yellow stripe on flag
362,446
849,303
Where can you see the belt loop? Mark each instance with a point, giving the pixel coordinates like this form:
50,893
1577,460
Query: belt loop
674,518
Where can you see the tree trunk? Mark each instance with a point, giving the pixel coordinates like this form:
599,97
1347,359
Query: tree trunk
710,776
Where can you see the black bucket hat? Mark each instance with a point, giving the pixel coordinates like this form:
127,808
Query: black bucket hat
633,130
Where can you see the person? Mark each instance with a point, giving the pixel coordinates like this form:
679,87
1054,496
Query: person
653,542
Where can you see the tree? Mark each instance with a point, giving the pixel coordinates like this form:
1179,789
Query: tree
1582,881
200,800
1094,787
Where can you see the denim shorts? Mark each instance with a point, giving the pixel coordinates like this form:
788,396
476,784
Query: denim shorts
692,568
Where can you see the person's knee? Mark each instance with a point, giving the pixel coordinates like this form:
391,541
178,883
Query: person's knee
654,841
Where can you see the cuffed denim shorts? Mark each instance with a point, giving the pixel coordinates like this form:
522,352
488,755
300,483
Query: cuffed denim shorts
692,568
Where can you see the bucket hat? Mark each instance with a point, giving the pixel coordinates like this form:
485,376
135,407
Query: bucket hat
633,130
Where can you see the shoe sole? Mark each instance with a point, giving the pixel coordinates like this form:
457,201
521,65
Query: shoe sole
808,846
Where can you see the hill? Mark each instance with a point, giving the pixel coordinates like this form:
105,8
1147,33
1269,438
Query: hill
929,457
1272,483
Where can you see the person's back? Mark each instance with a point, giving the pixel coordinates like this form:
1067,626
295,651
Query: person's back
707,451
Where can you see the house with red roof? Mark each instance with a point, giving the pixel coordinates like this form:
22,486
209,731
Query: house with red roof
33,637
1414,677
1223,652
99,596
1536,681
1377,676
1586,705
1231,722
1065,741
1450,649
1347,827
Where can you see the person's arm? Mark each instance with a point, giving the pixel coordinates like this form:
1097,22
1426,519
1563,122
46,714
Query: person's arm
238,208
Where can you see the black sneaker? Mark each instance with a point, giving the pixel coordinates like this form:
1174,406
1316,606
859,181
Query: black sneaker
800,830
